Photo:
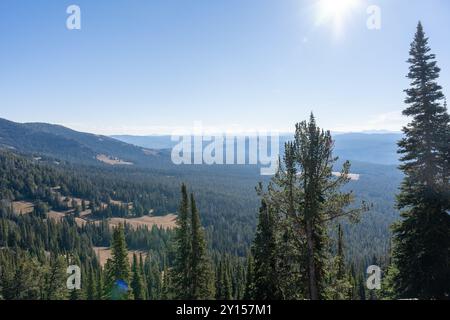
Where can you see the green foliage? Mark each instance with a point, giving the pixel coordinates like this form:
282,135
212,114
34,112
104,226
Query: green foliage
422,238
202,276
192,276
118,268
306,197
264,251
137,282
182,267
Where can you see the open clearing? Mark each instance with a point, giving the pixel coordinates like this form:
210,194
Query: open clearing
104,253
112,160
55,215
166,222
22,207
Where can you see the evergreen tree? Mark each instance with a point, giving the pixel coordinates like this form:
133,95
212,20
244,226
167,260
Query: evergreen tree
322,199
91,286
154,281
422,238
118,268
167,288
224,289
250,279
340,282
182,267
307,197
265,255
99,289
55,279
137,284
340,257
201,273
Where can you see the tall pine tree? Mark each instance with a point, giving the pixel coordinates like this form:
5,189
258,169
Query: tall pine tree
201,275
307,196
137,283
118,268
181,270
422,238
265,256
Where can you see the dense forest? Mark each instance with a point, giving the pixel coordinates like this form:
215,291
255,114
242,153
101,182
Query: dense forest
305,233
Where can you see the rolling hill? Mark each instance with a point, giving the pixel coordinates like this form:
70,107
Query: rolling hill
66,144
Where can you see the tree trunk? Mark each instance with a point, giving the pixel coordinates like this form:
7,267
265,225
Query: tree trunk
312,278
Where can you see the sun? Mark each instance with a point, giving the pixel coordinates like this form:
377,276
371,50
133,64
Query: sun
335,12
336,7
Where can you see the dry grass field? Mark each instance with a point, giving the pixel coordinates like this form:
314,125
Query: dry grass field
112,161
166,222
104,253
22,207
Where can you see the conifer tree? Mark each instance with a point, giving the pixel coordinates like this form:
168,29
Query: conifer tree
340,281
307,196
167,288
340,254
118,268
182,267
154,282
137,284
201,273
422,238
91,286
264,251
224,289
55,279
322,199
250,279
99,289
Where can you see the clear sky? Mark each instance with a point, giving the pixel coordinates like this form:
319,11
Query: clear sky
145,67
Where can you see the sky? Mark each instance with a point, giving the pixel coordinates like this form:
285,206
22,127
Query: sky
153,66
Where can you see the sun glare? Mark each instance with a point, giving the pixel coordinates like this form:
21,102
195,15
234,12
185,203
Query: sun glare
335,12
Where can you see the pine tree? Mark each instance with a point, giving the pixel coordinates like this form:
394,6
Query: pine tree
118,268
340,254
250,279
55,279
182,267
307,197
91,286
143,276
100,294
201,273
322,199
137,284
340,281
224,289
219,279
264,251
167,287
422,238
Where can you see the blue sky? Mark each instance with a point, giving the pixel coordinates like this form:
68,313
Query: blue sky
145,67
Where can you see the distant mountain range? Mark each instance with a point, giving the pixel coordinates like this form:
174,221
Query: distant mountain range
151,151
378,148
